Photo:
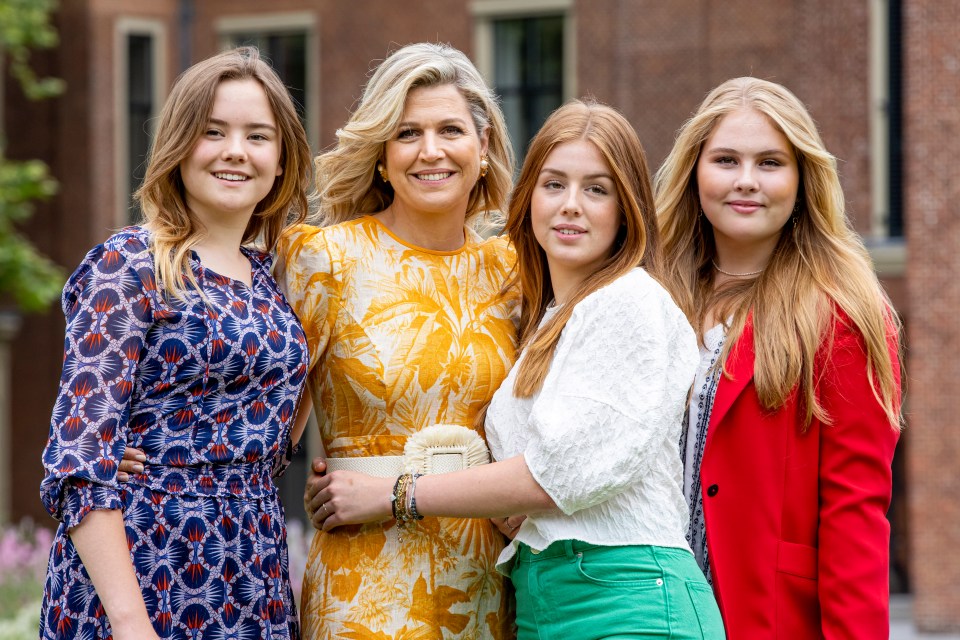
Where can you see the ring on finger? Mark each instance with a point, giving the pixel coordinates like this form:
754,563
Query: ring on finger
324,507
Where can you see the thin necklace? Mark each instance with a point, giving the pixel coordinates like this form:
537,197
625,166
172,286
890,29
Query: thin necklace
735,275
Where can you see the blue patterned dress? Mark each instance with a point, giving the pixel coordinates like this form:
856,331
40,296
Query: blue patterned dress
209,392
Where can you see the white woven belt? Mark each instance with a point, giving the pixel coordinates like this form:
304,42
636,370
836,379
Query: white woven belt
441,448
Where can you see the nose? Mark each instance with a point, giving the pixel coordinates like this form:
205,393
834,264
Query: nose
431,150
235,148
746,178
571,203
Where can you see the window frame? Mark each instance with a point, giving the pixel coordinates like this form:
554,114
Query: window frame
486,12
126,27
888,252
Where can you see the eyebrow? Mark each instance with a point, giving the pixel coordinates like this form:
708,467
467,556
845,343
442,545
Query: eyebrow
737,152
249,125
446,121
592,176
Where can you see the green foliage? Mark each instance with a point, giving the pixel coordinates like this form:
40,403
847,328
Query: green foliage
25,25
33,280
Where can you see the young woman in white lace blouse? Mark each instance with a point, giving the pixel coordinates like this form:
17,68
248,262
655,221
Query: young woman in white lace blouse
586,425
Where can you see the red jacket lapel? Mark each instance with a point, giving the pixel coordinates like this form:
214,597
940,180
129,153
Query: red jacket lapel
740,366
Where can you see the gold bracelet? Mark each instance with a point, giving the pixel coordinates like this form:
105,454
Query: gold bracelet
399,498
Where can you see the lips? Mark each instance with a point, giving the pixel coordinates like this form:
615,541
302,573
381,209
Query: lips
744,206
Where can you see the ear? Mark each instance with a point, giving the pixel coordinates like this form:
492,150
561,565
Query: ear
484,140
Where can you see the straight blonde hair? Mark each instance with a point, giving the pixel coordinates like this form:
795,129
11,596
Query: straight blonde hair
819,269
347,181
637,243
174,229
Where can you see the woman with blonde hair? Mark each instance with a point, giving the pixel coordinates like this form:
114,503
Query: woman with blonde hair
795,411
408,326
585,427
180,343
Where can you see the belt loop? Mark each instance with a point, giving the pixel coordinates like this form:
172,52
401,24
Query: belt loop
568,550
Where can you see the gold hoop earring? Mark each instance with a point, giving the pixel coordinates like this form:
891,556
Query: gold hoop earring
484,166
383,172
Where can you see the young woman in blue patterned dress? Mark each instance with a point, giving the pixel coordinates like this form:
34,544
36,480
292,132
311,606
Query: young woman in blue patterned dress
179,343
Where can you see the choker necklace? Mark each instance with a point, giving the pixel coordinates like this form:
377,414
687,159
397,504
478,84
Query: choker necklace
735,275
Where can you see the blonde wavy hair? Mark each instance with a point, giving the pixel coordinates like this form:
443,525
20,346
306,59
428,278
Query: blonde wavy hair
819,269
174,229
637,243
347,181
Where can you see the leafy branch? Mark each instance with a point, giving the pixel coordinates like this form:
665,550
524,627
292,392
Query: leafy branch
32,279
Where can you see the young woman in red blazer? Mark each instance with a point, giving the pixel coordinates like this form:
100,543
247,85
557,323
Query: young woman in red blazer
795,412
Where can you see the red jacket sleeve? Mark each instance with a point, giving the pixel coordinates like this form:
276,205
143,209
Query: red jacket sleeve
856,452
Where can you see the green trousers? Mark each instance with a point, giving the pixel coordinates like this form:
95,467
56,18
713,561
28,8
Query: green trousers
573,590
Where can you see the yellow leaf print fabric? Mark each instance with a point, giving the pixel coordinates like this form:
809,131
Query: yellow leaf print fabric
400,338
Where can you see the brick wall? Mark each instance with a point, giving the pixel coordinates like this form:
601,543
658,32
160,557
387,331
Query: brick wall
932,118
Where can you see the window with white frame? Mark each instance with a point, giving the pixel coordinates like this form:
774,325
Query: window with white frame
886,132
525,49
140,80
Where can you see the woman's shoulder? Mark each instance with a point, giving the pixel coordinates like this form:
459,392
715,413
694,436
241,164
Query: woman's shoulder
497,248
122,262
636,288
129,247
636,296
841,331
309,238
132,240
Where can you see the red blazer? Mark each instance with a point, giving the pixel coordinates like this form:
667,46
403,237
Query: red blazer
796,520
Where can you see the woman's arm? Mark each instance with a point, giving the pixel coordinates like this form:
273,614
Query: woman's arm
108,316
856,452
101,542
492,490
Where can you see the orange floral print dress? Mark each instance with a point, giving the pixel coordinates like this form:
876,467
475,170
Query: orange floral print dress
400,338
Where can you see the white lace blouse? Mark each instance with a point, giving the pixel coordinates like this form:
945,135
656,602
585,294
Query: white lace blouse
601,436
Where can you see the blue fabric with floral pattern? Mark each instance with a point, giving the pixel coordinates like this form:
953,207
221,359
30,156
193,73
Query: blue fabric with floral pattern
208,390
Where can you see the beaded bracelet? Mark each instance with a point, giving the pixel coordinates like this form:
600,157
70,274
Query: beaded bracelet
412,502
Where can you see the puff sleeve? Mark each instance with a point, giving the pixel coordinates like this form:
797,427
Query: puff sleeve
304,271
108,303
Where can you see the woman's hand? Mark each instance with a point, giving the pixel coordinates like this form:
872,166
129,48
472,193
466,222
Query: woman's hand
131,463
508,526
311,504
347,497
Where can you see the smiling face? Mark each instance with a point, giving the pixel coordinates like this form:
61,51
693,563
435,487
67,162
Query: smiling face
575,213
234,163
748,179
433,160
